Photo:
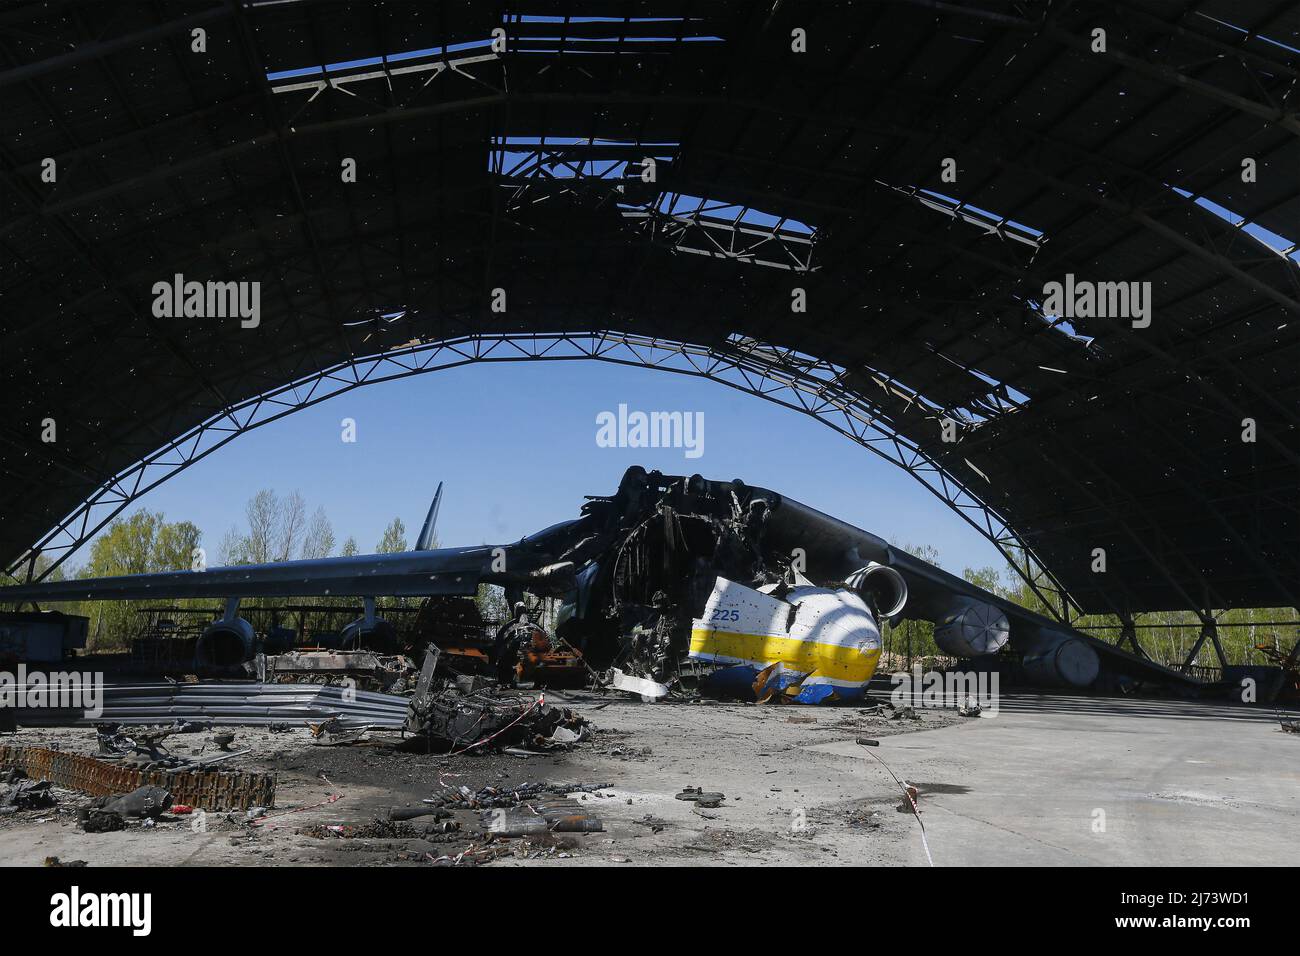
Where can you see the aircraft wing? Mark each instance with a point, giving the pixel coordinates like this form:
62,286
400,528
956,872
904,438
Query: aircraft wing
410,573
835,549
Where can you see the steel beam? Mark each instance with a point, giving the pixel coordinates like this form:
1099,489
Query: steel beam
782,376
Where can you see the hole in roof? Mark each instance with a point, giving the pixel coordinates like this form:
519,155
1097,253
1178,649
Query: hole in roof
527,43
1247,33
345,65
569,157
1280,245
1001,399
531,18
991,222
686,32
1058,323
680,204
561,157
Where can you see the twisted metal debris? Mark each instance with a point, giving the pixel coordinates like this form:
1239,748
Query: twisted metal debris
235,703
208,790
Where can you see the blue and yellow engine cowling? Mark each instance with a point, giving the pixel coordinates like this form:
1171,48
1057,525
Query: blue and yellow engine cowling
813,645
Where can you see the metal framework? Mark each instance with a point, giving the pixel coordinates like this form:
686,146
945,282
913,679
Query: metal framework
667,172
798,382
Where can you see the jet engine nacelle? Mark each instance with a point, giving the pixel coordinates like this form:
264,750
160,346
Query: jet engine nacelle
971,628
1060,660
881,587
225,643
375,634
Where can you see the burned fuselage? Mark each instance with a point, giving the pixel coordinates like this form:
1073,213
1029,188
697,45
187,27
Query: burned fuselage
670,575
675,574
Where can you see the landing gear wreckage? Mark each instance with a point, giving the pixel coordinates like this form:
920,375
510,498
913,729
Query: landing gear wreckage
751,592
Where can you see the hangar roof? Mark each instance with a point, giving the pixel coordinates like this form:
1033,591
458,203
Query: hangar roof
1171,158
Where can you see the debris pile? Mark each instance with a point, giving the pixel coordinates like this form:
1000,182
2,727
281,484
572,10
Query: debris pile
365,669
459,721
528,810
22,794
504,798
383,830
704,799
239,703
108,814
128,769
333,733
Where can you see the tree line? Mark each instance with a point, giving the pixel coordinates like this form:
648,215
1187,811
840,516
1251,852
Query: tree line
276,528
1167,636
279,528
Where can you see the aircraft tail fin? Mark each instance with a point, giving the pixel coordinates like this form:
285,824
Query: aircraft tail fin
425,541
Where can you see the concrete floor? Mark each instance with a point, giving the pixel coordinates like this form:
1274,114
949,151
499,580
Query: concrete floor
1178,783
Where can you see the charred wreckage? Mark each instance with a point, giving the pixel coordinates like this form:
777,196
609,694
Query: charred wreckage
672,586
671,582
745,592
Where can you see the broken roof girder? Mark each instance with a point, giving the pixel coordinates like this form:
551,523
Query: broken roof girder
895,285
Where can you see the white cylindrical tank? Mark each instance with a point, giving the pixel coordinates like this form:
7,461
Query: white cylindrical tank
1061,660
970,629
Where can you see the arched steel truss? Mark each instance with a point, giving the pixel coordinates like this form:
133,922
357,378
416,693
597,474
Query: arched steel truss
809,385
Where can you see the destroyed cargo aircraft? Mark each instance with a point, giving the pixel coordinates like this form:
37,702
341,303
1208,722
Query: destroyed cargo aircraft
751,593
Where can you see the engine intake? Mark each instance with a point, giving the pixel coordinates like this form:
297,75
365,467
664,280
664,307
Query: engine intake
374,635
1060,660
971,628
225,643
883,588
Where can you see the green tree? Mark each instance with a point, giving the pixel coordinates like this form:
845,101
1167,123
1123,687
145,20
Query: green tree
43,561
393,542
278,530
912,639
143,543
394,539
986,578
491,601
176,547
318,540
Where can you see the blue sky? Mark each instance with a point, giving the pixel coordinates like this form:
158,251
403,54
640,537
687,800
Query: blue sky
516,447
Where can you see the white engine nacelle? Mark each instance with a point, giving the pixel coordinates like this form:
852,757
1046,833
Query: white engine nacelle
881,587
971,628
225,643
1060,660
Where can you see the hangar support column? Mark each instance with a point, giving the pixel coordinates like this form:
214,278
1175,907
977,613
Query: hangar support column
1210,630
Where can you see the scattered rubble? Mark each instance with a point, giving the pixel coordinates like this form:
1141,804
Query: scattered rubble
27,795
381,830
112,774
146,801
333,733
702,799
449,718
368,670
488,798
